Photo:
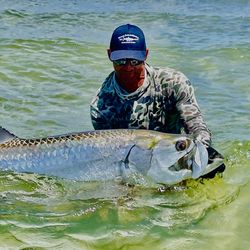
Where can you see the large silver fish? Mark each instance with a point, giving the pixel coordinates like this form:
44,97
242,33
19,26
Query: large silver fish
108,154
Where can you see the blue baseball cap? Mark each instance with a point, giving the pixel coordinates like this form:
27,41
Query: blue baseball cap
128,41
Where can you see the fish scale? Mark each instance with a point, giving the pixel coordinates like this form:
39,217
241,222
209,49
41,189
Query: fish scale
104,155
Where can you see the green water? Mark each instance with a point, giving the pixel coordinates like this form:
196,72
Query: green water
52,61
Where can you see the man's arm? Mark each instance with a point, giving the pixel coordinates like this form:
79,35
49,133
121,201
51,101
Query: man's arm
98,119
190,111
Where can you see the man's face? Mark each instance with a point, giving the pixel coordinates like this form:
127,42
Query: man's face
126,65
129,69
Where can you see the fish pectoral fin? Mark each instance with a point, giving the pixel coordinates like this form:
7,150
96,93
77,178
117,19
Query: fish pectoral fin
128,173
5,135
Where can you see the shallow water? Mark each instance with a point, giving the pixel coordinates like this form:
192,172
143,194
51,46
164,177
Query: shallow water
52,61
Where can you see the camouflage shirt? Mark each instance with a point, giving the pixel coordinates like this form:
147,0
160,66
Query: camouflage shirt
165,102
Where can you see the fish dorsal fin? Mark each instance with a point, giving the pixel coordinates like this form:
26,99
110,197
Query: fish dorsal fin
5,135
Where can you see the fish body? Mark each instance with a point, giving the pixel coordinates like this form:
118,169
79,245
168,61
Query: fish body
106,154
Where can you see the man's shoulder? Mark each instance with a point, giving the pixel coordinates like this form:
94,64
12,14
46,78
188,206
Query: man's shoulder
105,91
166,73
168,79
107,85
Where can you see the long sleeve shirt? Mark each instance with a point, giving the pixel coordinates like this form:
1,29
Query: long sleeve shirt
165,102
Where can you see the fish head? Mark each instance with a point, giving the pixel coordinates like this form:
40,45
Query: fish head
176,158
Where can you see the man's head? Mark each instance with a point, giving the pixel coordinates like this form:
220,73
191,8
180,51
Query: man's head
128,53
127,41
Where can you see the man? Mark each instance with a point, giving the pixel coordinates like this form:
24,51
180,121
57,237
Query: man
136,95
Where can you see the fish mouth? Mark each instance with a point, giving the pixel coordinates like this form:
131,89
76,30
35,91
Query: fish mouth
215,162
200,161
195,160
189,160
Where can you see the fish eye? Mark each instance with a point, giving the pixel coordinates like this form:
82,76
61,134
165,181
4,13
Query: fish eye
181,145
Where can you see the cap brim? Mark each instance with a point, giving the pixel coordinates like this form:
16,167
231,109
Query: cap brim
133,54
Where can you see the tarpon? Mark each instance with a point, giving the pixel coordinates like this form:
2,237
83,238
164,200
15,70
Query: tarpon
102,155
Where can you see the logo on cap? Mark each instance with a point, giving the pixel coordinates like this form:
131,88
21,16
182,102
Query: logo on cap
128,38
127,41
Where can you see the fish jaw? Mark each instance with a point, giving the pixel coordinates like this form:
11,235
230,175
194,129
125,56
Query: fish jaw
169,166
165,159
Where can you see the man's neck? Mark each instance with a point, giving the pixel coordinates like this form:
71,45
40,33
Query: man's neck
130,87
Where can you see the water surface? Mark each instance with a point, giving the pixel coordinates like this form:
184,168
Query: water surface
52,61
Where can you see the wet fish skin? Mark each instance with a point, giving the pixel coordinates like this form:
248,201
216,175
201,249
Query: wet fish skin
103,155
78,156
